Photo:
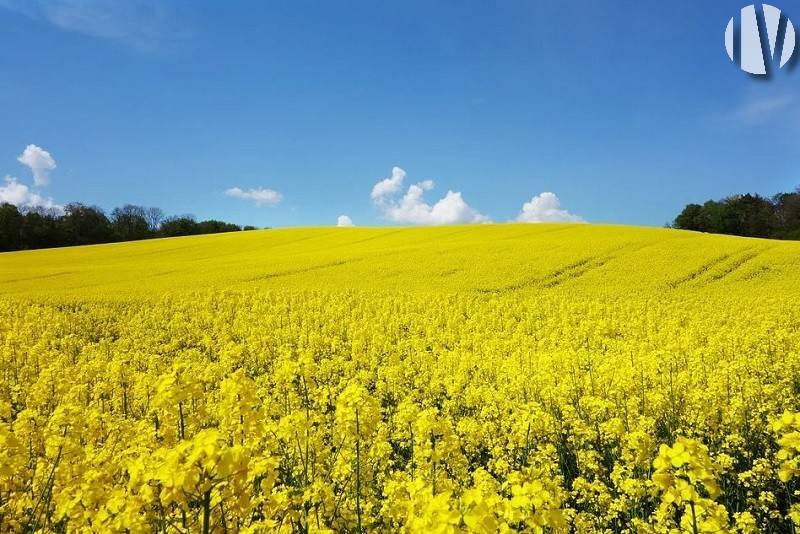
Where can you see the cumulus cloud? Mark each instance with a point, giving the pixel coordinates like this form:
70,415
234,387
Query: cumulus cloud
22,196
344,221
412,208
545,208
260,195
389,186
40,163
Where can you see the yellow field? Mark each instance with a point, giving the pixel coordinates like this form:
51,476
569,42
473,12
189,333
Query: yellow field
458,259
542,378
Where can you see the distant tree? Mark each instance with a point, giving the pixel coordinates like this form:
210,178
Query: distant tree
10,227
40,228
216,227
130,223
756,216
179,226
746,215
85,225
719,217
787,209
154,218
247,228
689,218
79,224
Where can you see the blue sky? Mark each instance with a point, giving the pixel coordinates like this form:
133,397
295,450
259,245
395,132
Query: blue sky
624,111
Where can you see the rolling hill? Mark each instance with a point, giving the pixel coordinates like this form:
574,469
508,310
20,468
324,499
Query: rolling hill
481,258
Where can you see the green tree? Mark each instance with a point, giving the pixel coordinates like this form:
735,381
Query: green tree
129,223
689,218
10,227
40,229
85,225
179,226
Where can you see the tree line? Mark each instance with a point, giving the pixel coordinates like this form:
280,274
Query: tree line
745,215
36,227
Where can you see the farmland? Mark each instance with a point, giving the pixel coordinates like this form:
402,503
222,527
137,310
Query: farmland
537,378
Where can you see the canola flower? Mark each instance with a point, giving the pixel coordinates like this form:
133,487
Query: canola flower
599,389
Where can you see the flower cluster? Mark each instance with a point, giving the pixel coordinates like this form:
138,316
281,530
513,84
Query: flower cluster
531,407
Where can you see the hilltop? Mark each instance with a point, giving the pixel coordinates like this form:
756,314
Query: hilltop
477,258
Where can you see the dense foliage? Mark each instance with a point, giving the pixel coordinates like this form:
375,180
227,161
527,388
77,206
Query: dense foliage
32,228
598,379
745,215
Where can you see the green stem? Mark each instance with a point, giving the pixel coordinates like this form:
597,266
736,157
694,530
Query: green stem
358,475
181,428
433,462
207,512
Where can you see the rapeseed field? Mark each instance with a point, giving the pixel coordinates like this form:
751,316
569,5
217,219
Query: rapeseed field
491,378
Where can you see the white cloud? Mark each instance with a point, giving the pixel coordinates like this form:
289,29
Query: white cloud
389,186
40,163
145,25
22,196
545,208
344,221
260,195
412,208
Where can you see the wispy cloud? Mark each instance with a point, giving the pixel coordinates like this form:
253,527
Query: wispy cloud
145,25
753,111
412,208
261,196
